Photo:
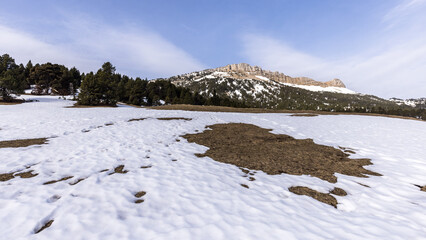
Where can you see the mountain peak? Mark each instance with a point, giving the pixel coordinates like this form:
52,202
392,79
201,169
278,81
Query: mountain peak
245,70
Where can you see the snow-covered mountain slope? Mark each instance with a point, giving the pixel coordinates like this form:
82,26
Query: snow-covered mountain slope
260,91
188,197
186,79
413,102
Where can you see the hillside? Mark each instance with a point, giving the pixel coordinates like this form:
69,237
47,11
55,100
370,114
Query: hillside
256,87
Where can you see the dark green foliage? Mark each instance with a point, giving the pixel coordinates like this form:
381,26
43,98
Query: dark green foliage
51,78
106,88
276,96
100,88
12,78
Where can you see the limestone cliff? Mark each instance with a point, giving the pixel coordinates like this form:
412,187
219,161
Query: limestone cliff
244,70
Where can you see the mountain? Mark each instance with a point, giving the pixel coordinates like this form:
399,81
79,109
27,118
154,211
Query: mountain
413,102
256,87
245,71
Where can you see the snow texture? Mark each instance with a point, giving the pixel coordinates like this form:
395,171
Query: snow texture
199,198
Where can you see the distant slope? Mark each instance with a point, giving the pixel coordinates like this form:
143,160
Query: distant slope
256,89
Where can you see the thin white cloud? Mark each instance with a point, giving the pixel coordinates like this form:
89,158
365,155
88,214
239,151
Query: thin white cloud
403,9
86,45
392,66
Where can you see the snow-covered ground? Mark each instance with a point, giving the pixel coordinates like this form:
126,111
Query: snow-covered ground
199,198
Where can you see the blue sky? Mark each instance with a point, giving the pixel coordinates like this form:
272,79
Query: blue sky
374,46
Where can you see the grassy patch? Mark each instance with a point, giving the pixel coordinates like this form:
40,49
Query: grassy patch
322,197
252,147
22,142
174,118
59,180
45,225
88,106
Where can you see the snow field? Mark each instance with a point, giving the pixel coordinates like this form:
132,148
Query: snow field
199,198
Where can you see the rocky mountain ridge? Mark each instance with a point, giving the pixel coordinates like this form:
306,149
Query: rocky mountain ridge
245,71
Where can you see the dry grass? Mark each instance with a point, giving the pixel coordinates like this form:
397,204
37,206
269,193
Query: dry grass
252,147
136,119
304,115
139,195
174,118
22,142
199,108
60,180
322,197
8,176
46,225
87,106
119,169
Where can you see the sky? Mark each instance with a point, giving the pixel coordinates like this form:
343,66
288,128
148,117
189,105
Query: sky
374,46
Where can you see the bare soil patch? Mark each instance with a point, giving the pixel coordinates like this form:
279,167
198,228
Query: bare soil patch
136,119
252,147
322,197
147,166
77,181
304,115
338,192
59,180
22,142
46,225
139,195
174,118
119,169
87,106
28,174
8,176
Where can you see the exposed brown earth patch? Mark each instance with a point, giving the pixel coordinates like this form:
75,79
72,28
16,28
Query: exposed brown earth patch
136,119
244,185
77,181
59,180
148,166
104,170
174,118
22,142
363,185
119,169
304,115
87,106
199,108
28,174
139,195
252,147
322,197
8,176
46,225
338,192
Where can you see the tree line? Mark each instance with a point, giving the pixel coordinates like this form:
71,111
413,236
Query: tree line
106,87
46,78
